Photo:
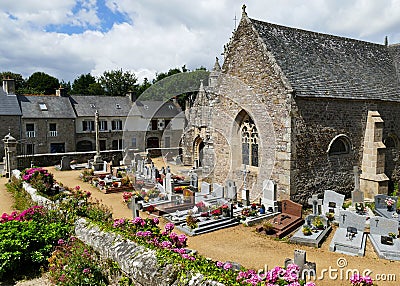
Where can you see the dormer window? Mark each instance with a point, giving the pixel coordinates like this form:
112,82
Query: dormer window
118,106
92,105
170,107
43,106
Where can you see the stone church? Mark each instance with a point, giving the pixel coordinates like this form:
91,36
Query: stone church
299,108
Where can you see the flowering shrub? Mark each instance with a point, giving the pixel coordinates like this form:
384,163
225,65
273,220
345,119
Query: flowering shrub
127,197
39,178
74,263
35,212
216,212
358,280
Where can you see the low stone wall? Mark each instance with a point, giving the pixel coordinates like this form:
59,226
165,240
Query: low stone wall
51,159
136,261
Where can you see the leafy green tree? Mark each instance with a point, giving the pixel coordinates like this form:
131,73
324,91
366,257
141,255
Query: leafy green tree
95,89
42,83
118,82
66,85
82,83
161,76
19,80
142,87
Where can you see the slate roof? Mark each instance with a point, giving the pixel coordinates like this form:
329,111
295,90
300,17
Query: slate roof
9,105
321,65
158,109
57,107
113,106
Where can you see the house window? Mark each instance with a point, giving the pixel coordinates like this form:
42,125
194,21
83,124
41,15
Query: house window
30,130
103,125
103,145
57,147
30,149
88,125
117,144
134,142
43,106
154,124
250,140
53,130
116,125
339,145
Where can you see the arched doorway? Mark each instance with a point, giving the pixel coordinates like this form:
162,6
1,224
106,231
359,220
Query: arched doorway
198,152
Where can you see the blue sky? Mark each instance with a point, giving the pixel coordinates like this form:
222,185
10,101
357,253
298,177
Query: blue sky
67,38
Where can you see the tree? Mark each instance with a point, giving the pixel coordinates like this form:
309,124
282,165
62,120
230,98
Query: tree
42,83
19,80
142,87
118,82
82,83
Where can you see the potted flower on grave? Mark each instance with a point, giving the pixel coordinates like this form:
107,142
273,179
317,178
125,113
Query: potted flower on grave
225,210
191,222
389,203
262,209
201,206
306,230
253,206
268,227
330,216
392,235
318,223
216,213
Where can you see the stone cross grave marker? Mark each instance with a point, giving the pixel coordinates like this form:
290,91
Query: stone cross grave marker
316,204
357,196
246,197
194,180
231,190
269,196
383,226
300,259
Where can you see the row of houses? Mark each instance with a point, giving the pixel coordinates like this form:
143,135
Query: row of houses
62,123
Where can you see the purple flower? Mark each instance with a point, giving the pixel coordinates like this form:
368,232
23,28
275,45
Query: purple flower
310,284
219,264
227,266
156,220
182,238
166,244
169,227
86,270
61,242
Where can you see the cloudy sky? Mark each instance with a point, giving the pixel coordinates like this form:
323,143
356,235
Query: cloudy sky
67,38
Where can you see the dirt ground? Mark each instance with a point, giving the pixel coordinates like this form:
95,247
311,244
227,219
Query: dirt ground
243,245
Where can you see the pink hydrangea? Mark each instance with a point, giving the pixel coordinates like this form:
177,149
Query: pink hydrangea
169,227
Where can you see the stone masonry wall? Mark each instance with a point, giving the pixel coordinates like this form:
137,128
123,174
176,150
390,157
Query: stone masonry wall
316,122
265,96
9,124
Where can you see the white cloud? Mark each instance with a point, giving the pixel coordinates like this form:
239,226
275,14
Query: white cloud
160,35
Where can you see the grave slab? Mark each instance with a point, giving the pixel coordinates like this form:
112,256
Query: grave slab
385,246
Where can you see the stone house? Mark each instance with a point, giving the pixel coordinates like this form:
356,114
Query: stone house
300,108
10,113
154,124
47,124
113,111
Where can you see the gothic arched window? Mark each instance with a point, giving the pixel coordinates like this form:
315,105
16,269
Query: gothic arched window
249,133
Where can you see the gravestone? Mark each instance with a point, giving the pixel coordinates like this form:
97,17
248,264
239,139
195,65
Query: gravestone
205,188
289,220
231,190
169,185
246,197
269,196
316,204
357,196
162,171
168,169
349,237
382,209
154,174
217,190
385,246
178,160
332,203
65,163
305,267
194,180
148,173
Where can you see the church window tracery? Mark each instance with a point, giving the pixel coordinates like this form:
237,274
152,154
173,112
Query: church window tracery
250,141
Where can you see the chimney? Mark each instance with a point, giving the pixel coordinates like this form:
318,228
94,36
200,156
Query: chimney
9,86
61,92
132,97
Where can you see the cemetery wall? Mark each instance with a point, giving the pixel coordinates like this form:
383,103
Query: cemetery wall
267,99
316,122
51,159
137,262
9,124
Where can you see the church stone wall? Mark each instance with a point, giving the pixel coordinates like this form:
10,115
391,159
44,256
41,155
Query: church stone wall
266,99
316,122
